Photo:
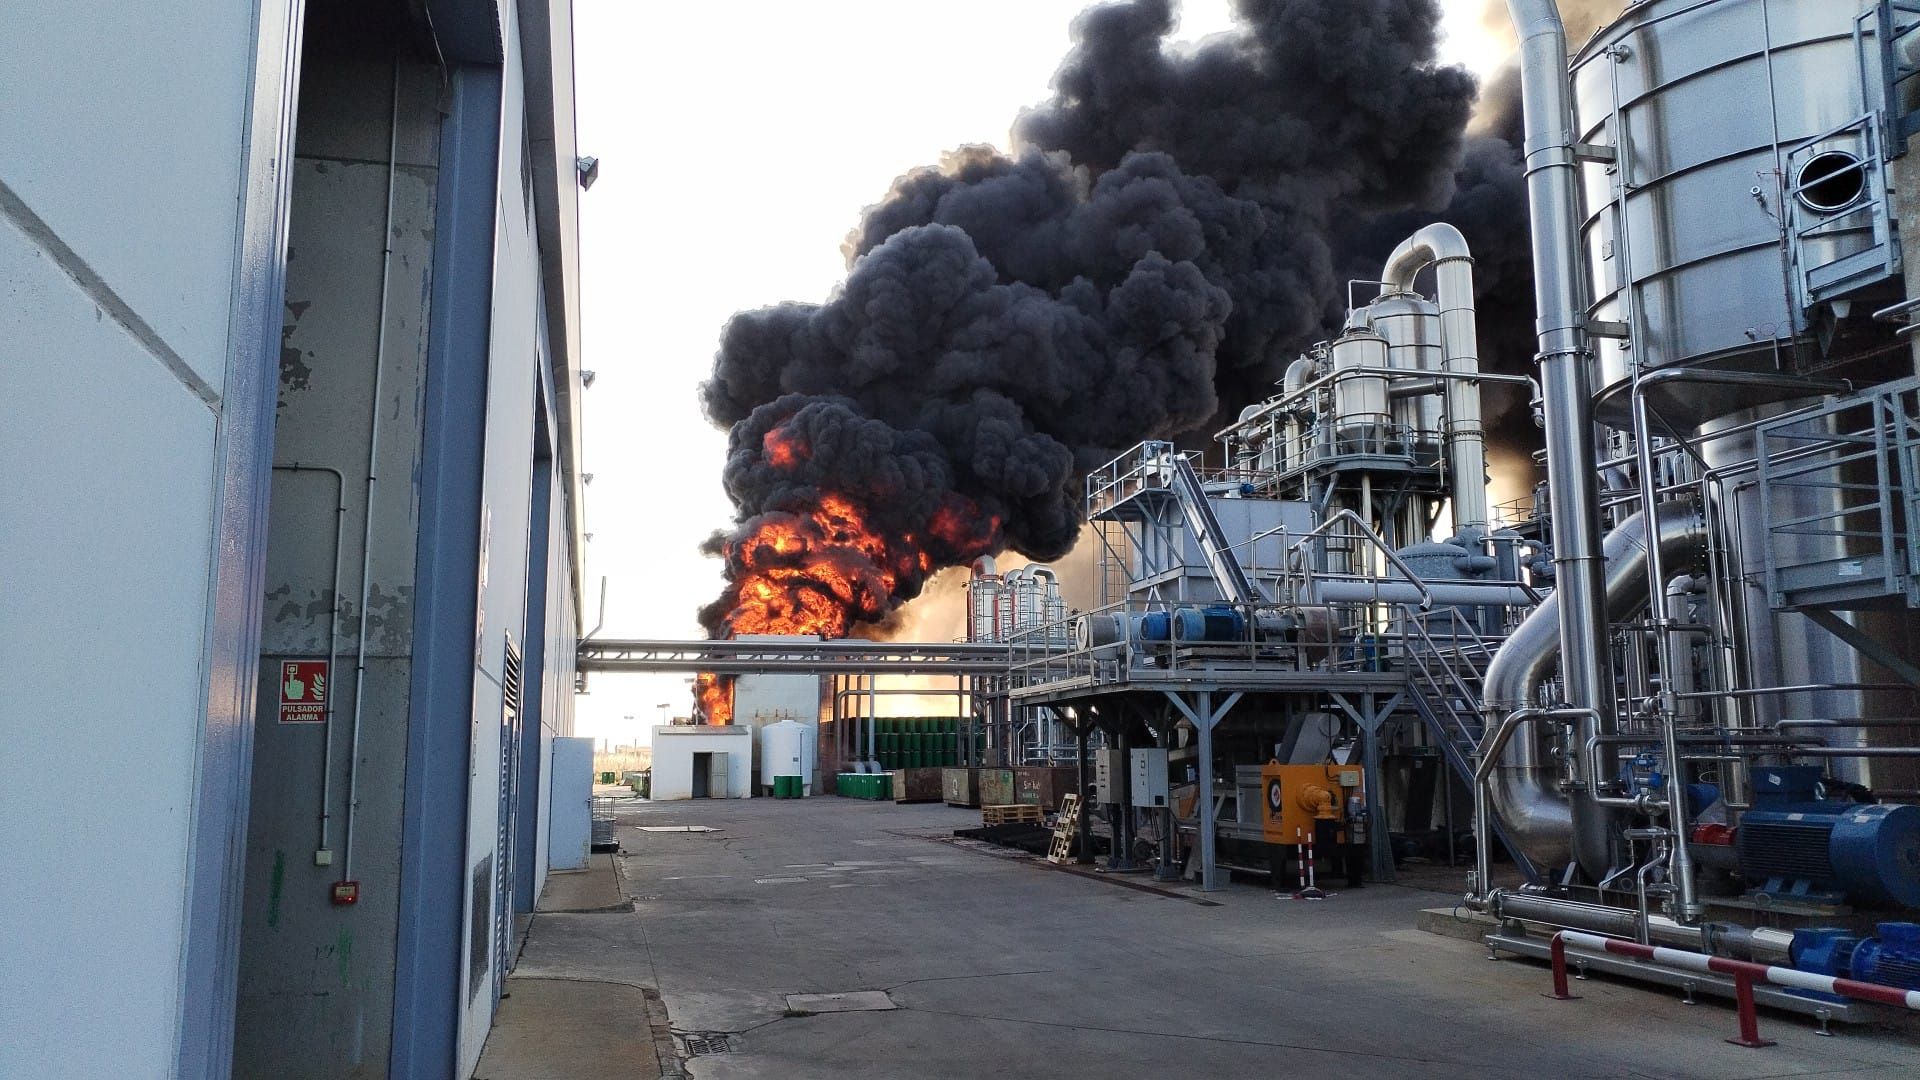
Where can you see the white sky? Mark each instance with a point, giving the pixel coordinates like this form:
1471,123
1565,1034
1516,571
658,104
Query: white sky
738,143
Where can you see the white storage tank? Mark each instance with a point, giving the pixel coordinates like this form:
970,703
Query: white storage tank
786,749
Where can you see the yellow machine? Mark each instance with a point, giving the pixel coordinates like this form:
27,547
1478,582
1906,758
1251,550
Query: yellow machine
1293,797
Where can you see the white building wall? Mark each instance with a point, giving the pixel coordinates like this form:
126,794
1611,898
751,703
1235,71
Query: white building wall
123,184
673,750
507,488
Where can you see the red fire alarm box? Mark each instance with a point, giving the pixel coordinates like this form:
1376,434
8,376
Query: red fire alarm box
346,892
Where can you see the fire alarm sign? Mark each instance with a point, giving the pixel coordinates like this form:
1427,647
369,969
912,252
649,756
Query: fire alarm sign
303,691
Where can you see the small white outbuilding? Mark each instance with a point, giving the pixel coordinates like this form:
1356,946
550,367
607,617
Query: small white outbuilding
702,761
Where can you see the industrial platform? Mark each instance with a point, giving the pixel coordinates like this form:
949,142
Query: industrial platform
996,966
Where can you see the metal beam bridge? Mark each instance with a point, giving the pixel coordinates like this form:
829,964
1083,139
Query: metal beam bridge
846,656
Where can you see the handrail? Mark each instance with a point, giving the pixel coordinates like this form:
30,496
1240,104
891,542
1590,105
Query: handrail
1744,973
1426,595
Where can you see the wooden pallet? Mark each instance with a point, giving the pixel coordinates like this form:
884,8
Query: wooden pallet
1064,829
1009,814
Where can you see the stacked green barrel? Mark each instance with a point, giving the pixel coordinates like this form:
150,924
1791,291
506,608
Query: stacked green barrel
918,742
875,786
789,787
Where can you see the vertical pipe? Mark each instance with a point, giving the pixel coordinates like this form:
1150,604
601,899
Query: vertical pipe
1442,247
373,460
1560,294
1121,858
333,643
873,723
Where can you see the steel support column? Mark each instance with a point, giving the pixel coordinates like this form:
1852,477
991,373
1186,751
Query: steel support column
1369,718
1203,714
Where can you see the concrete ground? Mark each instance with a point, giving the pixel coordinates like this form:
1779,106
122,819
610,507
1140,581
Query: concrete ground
994,966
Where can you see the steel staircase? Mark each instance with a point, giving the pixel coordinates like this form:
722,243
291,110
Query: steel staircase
1446,667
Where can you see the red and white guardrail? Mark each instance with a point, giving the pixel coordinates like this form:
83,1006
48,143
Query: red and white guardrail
1744,975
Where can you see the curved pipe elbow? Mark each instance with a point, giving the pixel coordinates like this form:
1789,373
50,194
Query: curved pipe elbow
1536,817
1437,243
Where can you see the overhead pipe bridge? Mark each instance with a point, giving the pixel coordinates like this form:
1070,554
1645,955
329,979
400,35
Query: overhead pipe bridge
839,657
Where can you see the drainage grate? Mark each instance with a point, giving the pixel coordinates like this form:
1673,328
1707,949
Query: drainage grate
702,1043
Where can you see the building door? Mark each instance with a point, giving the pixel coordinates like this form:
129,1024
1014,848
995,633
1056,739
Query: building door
702,773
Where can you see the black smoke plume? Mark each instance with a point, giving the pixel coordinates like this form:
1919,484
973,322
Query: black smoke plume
1171,229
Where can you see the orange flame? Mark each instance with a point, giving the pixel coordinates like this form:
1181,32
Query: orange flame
715,695
827,569
783,448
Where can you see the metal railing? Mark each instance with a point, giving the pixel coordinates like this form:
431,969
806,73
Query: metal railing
1895,21
1839,496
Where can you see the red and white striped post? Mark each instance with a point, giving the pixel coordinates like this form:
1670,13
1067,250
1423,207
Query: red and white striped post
1744,974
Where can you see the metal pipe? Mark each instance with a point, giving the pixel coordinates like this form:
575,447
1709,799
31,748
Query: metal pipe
1536,817
1744,971
1855,751
1442,247
1491,752
373,452
601,619
1561,293
1760,944
333,644
1804,688
1420,594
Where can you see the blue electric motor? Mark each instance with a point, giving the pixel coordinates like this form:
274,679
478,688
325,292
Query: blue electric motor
1891,959
1209,624
1793,844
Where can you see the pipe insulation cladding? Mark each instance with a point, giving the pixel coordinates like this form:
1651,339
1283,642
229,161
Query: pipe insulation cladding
1524,794
1561,297
1442,247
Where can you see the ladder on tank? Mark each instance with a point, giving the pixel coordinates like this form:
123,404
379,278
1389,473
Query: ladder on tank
1445,674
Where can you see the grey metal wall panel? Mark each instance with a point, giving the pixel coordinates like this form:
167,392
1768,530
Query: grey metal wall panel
342,337
429,987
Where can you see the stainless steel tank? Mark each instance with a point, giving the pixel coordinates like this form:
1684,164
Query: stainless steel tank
1746,186
1783,648
1411,325
1360,401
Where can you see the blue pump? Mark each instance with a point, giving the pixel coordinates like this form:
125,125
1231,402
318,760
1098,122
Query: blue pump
1891,959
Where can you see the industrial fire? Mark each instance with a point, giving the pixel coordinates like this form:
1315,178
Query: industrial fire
1660,688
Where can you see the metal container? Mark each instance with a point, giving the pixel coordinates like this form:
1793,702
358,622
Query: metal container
918,785
961,787
996,787
1718,225
1043,785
